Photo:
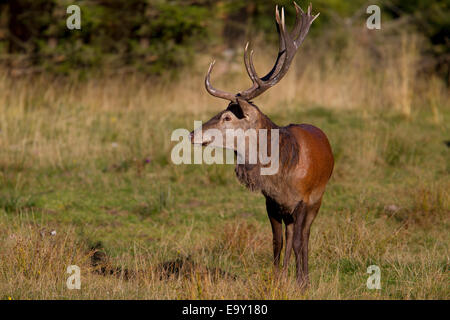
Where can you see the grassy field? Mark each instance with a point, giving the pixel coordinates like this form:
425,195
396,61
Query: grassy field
86,179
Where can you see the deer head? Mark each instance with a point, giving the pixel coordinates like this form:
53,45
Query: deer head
241,113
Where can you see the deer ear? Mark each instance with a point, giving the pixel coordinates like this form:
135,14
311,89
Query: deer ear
247,108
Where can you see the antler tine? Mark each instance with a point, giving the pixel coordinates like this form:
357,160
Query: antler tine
213,91
252,68
284,36
298,21
307,20
298,8
249,68
281,47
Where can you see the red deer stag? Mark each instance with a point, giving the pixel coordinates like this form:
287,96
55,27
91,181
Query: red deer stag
294,193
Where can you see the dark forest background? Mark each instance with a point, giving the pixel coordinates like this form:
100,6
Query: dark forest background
152,36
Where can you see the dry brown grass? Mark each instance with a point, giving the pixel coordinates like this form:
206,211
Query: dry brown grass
34,264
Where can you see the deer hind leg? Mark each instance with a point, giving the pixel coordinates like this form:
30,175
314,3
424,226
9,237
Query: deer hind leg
273,211
304,216
299,215
289,225
310,216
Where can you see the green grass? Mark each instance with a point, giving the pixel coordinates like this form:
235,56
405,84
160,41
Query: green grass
145,211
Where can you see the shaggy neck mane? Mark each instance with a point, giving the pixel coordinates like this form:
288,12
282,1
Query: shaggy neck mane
249,174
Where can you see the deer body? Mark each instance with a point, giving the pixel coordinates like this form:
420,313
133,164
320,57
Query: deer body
305,163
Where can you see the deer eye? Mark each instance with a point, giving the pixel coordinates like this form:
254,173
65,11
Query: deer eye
227,118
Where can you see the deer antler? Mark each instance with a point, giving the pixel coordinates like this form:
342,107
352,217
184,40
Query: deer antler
288,45
215,92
